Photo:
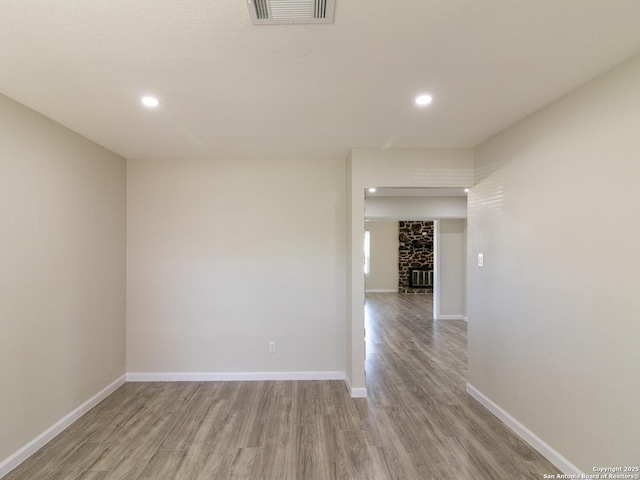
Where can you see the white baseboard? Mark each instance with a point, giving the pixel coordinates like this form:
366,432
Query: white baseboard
527,435
230,377
355,392
451,317
45,437
381,290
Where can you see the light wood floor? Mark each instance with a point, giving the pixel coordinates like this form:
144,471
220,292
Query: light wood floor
418,422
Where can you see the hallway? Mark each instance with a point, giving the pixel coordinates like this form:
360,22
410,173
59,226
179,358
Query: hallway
416,379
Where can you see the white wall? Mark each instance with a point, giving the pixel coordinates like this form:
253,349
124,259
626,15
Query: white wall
415,208
451,276
226,256
553,314
62,280
403,167
465,259
384,256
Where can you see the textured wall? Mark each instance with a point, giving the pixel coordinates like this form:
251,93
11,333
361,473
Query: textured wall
227,256
415,208
384,256
452,235
553,314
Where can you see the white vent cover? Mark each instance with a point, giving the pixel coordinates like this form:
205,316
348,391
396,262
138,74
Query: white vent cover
274,12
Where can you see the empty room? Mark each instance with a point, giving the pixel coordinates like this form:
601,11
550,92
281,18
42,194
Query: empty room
206,209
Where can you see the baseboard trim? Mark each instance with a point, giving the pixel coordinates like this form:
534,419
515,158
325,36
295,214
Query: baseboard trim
451,317
230,377
45,437
10,463
355,392
527,435
382,290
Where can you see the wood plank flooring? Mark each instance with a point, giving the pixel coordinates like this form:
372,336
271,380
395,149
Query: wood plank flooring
418,422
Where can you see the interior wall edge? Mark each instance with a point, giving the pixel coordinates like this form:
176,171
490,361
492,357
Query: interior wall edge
355,392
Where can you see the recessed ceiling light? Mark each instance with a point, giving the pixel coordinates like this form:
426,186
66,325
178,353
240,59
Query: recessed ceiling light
150,101
423,100
466,190
372,190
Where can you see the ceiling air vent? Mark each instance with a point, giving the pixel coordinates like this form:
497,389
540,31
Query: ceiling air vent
278,12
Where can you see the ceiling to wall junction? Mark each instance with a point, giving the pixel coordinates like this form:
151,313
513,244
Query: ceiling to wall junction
230,89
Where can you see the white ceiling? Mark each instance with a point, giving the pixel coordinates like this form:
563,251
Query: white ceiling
235,90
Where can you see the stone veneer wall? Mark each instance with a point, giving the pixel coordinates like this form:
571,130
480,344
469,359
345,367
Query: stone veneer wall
415,251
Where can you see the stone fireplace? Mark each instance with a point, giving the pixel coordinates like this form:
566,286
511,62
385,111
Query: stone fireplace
415,257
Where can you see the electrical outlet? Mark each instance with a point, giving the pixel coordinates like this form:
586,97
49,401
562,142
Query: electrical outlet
481,260
272,347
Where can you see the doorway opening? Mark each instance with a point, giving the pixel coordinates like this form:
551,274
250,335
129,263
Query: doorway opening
400,220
